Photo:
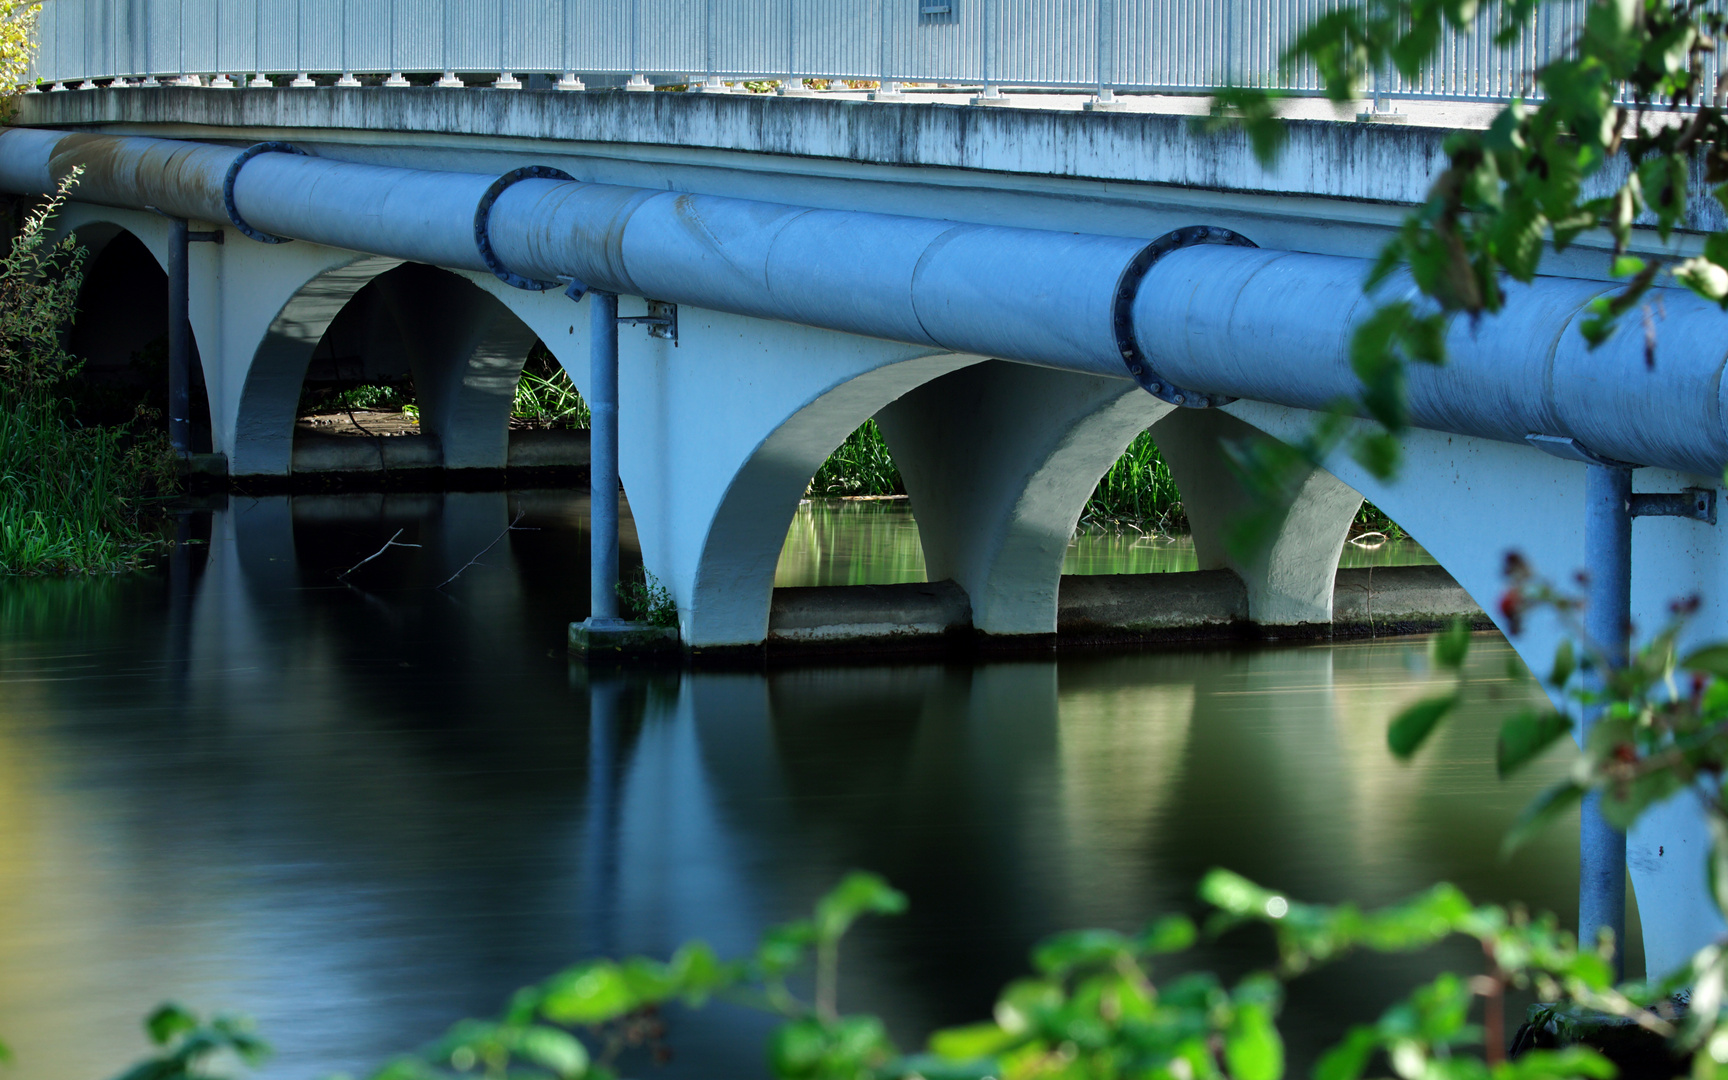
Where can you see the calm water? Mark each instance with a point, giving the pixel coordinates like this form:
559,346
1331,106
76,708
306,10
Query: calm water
875,542
361,810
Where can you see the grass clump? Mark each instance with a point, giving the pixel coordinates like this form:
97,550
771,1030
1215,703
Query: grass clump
641,598
71,496
859,466
1137,491
545,396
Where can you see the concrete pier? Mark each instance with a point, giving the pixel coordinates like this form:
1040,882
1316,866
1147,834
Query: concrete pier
935,618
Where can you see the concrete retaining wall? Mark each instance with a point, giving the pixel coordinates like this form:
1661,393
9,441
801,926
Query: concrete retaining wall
1105,609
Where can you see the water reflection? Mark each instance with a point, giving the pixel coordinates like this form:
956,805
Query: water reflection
875,542
360,808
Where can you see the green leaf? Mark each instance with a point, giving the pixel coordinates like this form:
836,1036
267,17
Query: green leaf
1565,663
796,1048
1348,1059
971,1042
1411,727
1173,933
168,1021
588,994
1452,645
1252,1046
558,1051
1627,266
1563,1064
1545,808
1711,660
1080,948
859,893
1523,738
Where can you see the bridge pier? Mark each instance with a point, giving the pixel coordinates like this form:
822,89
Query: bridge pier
466,350
1290,579
999,460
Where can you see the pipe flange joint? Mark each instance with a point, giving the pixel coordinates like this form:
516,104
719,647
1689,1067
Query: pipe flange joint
483,217
1139,366
234,168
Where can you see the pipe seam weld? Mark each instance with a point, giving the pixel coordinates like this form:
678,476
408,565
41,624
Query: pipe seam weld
1128,288
233,174
483,237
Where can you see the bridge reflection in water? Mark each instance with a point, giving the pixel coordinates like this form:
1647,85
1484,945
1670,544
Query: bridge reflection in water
360,809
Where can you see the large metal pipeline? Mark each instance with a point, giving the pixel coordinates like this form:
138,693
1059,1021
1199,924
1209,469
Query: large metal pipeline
1204,321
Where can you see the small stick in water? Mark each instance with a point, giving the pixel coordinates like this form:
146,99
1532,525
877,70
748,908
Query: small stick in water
388,544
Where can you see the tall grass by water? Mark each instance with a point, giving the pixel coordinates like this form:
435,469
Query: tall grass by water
859,466
71,496
545,396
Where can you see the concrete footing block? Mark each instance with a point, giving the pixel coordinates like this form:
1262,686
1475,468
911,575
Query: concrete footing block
609,640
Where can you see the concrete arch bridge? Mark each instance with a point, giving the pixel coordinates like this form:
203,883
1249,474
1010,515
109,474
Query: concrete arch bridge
1014,296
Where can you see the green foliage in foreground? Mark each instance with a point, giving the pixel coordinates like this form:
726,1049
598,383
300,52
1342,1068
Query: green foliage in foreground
70,496
1599,143
1091,1007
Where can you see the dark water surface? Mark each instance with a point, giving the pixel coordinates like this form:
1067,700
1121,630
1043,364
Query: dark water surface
875,542
359,811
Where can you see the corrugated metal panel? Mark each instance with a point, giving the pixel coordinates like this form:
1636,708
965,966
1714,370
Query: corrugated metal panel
749,37
533,32
601,36
672,37
1161,45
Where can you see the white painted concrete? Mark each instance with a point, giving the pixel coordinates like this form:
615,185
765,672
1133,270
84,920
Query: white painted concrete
1290,579
999,460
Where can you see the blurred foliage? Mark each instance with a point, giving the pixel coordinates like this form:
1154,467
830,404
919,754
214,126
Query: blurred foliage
72,496
1610,136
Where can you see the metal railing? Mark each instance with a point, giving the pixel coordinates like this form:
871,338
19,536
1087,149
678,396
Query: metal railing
1166,46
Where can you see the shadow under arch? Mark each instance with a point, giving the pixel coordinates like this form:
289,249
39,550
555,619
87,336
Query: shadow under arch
731,591
121,329
463,347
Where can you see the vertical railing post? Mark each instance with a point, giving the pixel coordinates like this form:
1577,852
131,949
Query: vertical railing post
346,79
989,47
445,35
1607,622
304,78
886,89
793,86
991,95
259,79
603,457
1103,60
567,79
396,77
179,338
506,79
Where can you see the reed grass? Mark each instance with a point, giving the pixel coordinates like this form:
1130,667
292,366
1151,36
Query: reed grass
1137,491
859,466
71,496
545,396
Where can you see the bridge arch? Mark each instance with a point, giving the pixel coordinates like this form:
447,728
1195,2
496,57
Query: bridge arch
123,305
464,347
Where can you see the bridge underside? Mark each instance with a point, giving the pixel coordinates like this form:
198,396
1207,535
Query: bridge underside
722,429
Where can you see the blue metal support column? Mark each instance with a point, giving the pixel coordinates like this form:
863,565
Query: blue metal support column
180,238
603,451
1607,622
179,335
